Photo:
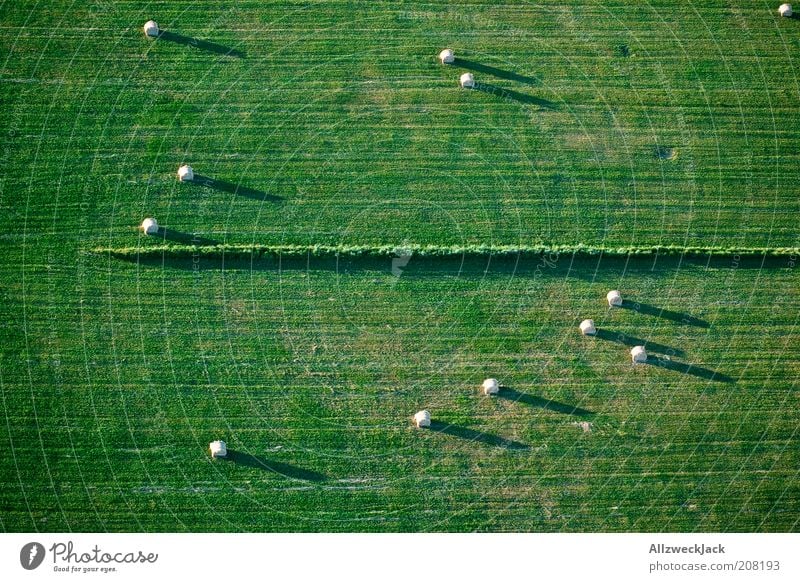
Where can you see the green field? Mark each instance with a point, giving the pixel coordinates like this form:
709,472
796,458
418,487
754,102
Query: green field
330,127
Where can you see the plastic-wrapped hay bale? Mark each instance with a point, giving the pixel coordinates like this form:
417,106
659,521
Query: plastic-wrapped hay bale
467,81
447,56
218,449
491,386
185,173
614,298
638,354
149,226
587,327
151,28
785,10
422,419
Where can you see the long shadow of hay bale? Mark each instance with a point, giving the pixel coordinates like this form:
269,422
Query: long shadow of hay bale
516,96
204,45
629,340
544,403
690,370
654,311
469,434
285,469
230,187
494,71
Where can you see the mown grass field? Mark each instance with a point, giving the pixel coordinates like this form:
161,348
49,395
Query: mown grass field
673,124
319,367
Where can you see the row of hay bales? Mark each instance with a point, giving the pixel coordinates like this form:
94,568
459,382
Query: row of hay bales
422,419
185,174
447,57
587,327
490,386
467,80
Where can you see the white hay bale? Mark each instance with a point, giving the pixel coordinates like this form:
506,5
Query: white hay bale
151,28
587,327
185,173
149,226
785,10
467,81
491,386
446,56
638,354
218,449
614,299
422,418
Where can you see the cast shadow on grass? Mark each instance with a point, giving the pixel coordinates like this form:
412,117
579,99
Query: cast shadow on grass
689,369
284,469
604,270
469,434
675,316
185,238
510,95
231,188
607,269
494,71
629,340
204,45
538,402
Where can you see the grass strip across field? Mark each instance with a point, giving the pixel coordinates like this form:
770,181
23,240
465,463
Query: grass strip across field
436,250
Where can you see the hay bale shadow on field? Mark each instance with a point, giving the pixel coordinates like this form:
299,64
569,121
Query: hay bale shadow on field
469,434
689,369
494,71
204,45
662,313
285,469
629,340
543,403
231,188
516,96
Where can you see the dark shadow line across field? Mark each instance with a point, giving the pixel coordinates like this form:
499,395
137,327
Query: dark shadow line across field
204,45
494,71
285,469
185,238
510,95
689,369
533,265
477,436
544,403
231,188
629,340
654,311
